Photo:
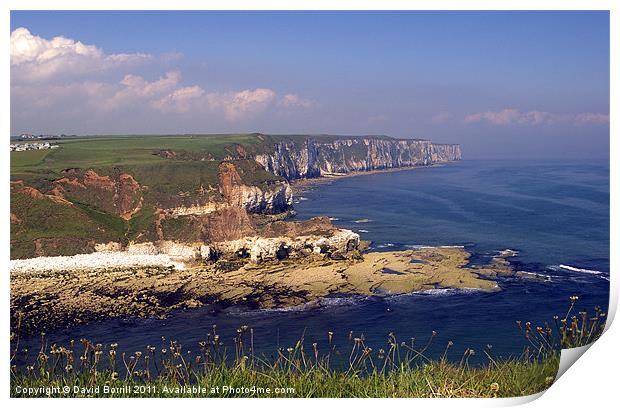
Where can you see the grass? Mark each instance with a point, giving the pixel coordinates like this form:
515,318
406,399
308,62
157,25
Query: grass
44,219
28,158
400,369
131,150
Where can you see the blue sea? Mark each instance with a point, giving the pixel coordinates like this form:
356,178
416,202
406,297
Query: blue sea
554,214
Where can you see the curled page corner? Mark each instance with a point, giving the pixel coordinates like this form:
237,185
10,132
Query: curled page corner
568,358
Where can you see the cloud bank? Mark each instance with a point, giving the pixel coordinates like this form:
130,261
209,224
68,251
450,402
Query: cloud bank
34,58
64,77
515,117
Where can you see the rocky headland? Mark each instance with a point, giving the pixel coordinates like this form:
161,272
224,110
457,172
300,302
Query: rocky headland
178,228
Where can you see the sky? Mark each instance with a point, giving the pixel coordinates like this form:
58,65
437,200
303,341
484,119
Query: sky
522,85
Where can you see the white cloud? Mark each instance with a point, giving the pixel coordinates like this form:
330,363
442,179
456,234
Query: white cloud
182,100
61,78
134,88
237,105
515,117
167,96
34,58
295,101
592,118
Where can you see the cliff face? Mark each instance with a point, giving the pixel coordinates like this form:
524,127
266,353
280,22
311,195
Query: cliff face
270,198
231,234
313,158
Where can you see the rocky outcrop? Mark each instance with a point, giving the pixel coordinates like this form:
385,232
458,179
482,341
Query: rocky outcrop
231,234
311,158
261,249
271,198
119,194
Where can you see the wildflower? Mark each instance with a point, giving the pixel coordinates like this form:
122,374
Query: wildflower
574,298
549,381
290,349
494,387
114,375
69,368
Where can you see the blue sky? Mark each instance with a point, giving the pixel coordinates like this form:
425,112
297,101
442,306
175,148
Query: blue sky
502,84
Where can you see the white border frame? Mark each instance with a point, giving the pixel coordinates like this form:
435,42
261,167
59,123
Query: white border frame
591,382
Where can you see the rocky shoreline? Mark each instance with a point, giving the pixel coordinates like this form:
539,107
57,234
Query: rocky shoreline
68,297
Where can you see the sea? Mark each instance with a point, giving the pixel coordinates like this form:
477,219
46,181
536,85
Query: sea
553,214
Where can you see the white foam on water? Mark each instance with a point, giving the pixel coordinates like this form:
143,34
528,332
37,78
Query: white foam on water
433,246
541,275
440,292
562,267
388,245
508,253
575,269
362,230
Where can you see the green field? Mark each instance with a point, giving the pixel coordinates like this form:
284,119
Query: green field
107,151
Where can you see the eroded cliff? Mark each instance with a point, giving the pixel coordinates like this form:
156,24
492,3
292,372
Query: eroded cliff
309,158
